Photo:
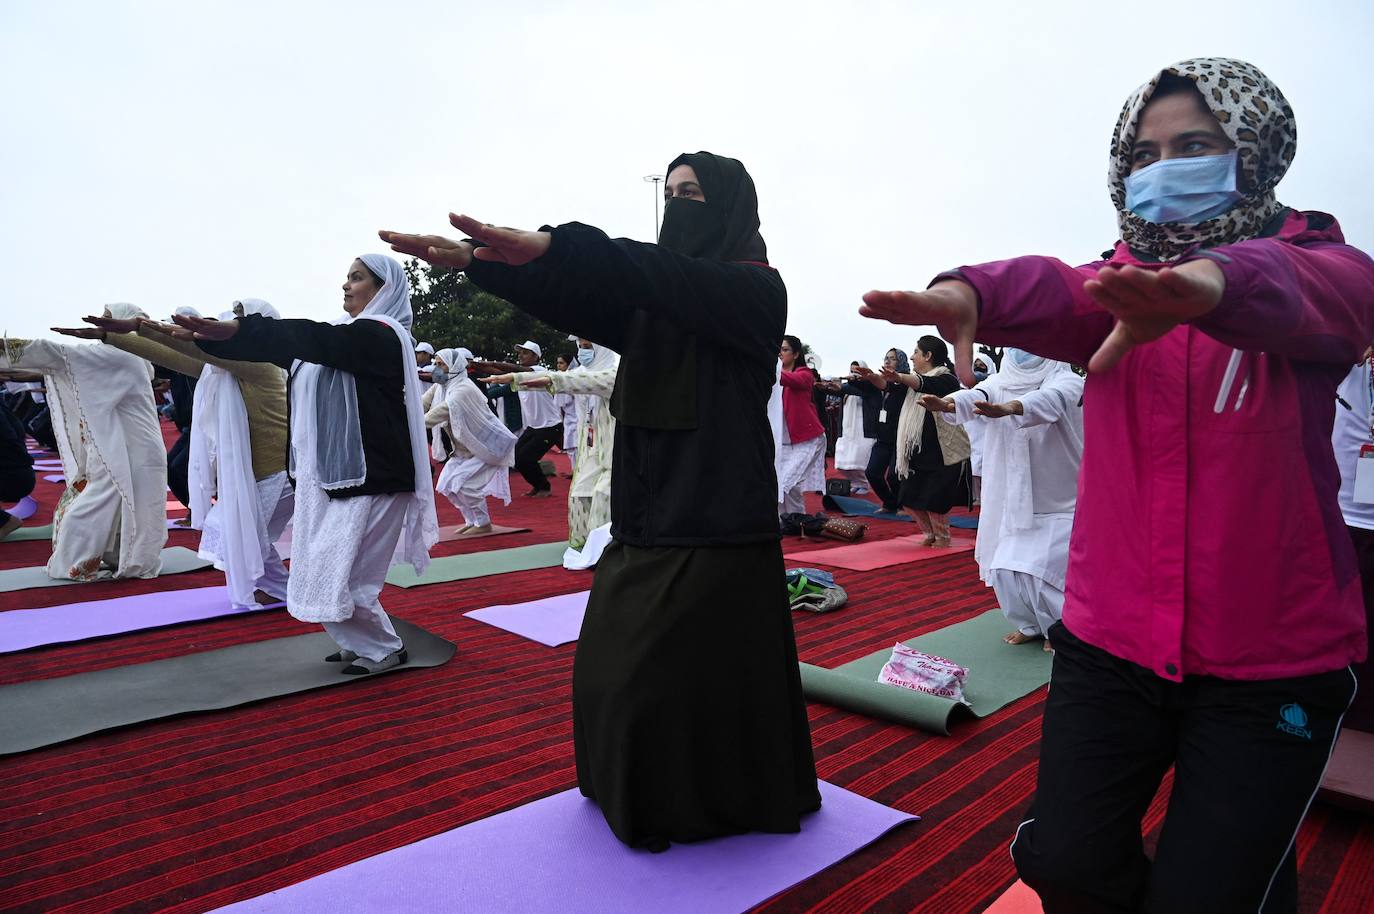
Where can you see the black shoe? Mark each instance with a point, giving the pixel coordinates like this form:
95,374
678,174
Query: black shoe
341,657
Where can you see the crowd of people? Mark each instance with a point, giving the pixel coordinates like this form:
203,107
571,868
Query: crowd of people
1134,431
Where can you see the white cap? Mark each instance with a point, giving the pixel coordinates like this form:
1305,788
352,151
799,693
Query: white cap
532,346
425,347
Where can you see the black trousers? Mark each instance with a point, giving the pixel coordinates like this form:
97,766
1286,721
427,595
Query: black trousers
534,443
882,474
178,464
1361,713
1248,757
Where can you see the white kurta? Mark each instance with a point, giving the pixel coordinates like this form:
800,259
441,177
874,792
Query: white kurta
1030,474
112,519
852,449
483,452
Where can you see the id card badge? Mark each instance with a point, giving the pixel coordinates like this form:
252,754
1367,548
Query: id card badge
882,415
1364,475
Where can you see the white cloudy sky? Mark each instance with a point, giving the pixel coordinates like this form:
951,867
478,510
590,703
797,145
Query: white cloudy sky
171,153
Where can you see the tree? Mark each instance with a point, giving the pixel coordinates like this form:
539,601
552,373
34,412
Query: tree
452,312
993,352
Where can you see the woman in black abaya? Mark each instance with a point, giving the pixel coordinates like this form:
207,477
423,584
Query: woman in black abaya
688,716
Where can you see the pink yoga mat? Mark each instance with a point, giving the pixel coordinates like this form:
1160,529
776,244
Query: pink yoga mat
880,554
21,629
1019,899
23,509
556,854
551,621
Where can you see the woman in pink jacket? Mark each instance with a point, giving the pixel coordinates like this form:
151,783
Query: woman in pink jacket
1212,603
801,464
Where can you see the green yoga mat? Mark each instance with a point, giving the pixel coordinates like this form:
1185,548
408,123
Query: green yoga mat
479,564
999,673
52,711
30,533
174,561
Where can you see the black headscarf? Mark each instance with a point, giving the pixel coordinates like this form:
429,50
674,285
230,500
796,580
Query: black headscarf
651,392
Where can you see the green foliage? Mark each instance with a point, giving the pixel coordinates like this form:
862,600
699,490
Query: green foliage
452,312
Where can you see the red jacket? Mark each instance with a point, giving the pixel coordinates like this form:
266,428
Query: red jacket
798,410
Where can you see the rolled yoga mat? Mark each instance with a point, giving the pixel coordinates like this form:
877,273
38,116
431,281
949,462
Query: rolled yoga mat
21,629
998,674
174,561
479,564
551,621
866,556
52,711
557,854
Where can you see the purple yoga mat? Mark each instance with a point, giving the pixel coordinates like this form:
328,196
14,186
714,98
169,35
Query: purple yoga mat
56,478
21,629
551,621
23,509
556,854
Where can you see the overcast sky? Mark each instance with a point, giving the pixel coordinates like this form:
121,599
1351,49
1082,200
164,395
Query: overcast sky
192,153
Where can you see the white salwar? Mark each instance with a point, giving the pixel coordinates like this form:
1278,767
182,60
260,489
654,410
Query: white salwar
852,448
483,448
776,424
342,547
112,519
1030,486
241,518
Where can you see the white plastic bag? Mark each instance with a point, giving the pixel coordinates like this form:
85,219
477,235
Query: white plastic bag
920,672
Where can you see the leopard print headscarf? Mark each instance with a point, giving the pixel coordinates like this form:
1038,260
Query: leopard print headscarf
1254,115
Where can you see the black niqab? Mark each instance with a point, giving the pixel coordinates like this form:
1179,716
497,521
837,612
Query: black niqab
652,391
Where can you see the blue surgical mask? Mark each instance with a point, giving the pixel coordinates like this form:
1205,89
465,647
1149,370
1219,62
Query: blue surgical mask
979,375
439,374
1023,359
585,356
1188,190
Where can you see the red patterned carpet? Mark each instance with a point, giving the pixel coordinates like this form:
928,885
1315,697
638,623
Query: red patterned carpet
189,814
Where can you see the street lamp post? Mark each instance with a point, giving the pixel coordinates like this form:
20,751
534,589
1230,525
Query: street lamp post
655,180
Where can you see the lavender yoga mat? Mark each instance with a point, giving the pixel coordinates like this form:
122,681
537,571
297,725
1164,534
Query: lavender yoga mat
23,509
21,629
551,621
556,854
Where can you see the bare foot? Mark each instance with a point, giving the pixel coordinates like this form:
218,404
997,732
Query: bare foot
542,493
929,540
476,530
463,529
182,522
1017,637
266,599
11,525
941,542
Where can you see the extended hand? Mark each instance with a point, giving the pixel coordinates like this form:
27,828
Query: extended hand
1149,303
498,379
171,330
203,328
951,305
503,245
435,249
997,410
112,324
936,404
81,333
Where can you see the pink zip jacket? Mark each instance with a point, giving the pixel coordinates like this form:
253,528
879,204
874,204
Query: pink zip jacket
1205,542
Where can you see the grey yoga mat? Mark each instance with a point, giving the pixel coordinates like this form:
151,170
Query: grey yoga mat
174,561
479,564
999,673
52,711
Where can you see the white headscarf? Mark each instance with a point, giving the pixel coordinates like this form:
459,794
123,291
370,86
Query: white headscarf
221,464
187,311
470,420
328,439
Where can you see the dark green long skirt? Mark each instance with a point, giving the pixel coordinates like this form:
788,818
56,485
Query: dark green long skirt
688,715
